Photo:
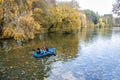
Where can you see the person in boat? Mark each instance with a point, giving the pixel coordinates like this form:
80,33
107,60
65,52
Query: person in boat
46,49
38,51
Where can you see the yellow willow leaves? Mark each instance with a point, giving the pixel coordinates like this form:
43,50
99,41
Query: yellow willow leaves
36,26
66,16
19,36
1,12
103,22
1,1
10,10
31,35
8,32
26,22
24,30
30,2
82,20
37,10
18,13
37,14
41,17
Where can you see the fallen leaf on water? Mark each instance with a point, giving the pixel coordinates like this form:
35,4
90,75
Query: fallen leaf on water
26,62
11,67
34,74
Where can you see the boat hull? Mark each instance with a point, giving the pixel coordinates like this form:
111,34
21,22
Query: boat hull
51,51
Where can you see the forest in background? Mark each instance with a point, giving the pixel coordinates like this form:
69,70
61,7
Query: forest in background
22,19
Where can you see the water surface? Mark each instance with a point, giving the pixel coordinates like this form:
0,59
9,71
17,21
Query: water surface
91,54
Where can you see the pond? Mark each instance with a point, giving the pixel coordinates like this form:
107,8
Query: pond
91,54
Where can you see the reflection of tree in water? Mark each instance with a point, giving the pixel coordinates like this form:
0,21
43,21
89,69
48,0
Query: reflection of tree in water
20,64
90,35
104,32
66,44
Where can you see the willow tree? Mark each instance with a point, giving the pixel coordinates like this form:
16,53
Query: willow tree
18,21
64,18
101,23
39,8
8,17
105,21
25,22
1,18
83,20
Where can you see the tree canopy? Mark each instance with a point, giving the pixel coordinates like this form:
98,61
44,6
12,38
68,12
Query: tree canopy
116,7
22,19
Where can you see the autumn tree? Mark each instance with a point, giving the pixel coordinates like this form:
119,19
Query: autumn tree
1,18
101,23
21,19
64,17
91,16
105,21
39,4
18,21
40,13
109,20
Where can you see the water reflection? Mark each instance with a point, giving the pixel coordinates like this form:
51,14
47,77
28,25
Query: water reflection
97,60
90,54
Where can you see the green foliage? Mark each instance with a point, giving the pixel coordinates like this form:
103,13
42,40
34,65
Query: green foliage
105,21
91,16
101,23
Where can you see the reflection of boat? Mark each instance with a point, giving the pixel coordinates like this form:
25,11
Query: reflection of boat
51,51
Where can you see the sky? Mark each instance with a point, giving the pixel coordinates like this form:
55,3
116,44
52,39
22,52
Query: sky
100,6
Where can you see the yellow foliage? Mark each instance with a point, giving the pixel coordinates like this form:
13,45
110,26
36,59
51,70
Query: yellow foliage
18,13
31,35
22,35
7,32
1,12
37,26
19,36
66,17
37,10
1,1
26,22
27,17
103,22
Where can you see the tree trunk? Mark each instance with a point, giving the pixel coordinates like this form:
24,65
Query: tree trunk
2,23
50,27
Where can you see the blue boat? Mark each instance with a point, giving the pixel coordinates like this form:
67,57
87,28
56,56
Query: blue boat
51,51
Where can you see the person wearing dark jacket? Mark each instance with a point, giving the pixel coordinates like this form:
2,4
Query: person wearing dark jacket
38,51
